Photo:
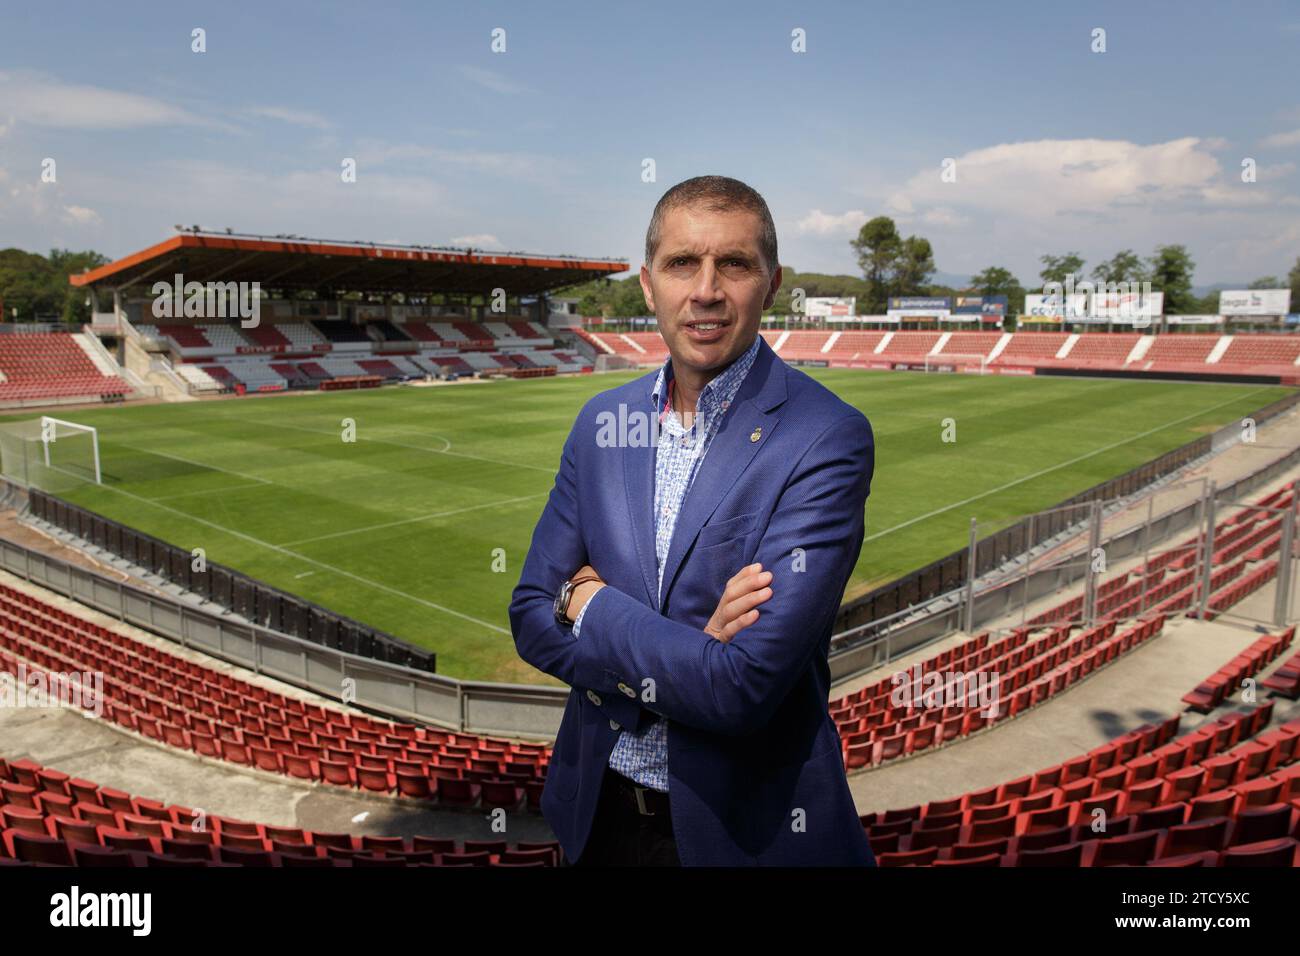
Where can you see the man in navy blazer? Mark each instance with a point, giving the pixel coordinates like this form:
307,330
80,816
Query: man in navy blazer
754,769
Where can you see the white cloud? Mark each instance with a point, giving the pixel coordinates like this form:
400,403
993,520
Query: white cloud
942,216
1291,138
821,223
1012,202
81,216
43,101
1046,178
296,117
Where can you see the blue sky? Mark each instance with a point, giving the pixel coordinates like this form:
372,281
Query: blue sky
541,147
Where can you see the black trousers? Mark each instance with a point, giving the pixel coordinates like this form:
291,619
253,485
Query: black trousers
620,836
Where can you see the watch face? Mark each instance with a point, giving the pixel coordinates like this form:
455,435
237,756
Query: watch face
561,598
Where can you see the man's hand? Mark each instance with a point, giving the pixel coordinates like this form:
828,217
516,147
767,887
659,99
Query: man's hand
738,607
583,592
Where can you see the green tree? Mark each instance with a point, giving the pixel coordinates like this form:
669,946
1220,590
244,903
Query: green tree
996,280
1061,268
1125,266
1171,269
878,246
1294,277
913,267
63,264
1267,282
27,283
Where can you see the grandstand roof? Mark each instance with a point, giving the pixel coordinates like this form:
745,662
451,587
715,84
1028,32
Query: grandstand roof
293,262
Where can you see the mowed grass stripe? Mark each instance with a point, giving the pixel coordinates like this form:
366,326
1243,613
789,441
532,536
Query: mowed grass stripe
399,530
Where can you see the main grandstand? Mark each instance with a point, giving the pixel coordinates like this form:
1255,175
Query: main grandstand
1157,690
310,332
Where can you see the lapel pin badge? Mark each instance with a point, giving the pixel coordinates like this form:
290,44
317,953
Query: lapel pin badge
756,434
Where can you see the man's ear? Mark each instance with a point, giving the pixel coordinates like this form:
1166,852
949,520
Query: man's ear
646,289
773,289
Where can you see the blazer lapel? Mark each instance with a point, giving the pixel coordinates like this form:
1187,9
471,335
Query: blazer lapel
729,454
639,483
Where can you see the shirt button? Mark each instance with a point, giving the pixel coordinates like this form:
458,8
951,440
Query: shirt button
593,697
613,725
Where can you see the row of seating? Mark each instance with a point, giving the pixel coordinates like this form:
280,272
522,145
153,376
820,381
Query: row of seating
1258,353
48,817
265,374
192,707
231,337
53,365
1211,693
1226,794
876,728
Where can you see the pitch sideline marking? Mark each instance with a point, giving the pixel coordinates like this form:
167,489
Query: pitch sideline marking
392,524
1063,464
320,564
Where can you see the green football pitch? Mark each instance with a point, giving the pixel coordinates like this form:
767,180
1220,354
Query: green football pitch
420,525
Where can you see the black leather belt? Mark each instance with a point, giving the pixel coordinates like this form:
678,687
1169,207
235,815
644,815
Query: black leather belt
647,801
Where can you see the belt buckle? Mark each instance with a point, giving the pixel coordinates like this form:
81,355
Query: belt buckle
640,801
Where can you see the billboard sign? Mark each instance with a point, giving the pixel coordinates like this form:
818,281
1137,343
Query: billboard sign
1073,305
829,306
920,304
981,305
1255,302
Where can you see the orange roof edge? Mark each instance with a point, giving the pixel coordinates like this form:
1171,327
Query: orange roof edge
324,247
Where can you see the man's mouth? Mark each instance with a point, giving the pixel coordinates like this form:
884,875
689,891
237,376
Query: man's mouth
706,331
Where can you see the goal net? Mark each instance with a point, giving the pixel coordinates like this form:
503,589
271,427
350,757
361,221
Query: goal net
957,362
50,454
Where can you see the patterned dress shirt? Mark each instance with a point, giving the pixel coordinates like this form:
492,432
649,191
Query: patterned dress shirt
643,755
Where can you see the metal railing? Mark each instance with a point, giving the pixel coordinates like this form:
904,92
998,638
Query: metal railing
481,707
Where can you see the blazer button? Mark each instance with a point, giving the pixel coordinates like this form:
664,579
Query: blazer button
593,697
613,725
627,690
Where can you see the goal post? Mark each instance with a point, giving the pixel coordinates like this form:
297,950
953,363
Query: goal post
972,362
51,454
54,428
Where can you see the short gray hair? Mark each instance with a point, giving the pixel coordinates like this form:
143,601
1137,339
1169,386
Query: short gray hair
715,194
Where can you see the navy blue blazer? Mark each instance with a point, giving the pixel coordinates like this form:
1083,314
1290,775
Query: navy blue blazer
755,773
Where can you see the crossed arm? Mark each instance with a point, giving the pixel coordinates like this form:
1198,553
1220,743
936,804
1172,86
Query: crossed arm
730,686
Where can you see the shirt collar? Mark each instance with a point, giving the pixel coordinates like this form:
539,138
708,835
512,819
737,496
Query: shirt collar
721,388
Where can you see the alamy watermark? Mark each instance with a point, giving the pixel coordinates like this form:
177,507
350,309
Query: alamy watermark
211,300
36,688
1130,301
939,689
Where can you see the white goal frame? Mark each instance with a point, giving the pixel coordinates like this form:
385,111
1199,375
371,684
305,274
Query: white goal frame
94,440
958,360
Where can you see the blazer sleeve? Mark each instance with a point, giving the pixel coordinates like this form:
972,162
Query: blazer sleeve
810,545
558,549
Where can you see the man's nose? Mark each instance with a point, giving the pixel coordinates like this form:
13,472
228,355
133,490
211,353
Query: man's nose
706,287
